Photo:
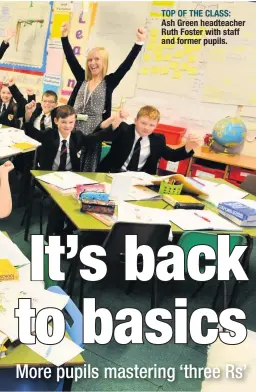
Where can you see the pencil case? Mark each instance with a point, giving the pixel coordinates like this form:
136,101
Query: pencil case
94,196
98,206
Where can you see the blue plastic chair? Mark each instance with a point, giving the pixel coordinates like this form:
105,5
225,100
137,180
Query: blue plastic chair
8,376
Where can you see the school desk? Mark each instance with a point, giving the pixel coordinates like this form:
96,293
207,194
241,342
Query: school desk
24,355
237,160
85,223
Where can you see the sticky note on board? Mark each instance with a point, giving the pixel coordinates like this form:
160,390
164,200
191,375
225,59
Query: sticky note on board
146,56
158,56
179,54
184,67
154,32
192,71
174,65
155,70
192,58
176,74
167,57
144,71
153,40
58,19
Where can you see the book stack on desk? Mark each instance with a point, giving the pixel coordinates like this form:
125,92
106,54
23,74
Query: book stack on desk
242,212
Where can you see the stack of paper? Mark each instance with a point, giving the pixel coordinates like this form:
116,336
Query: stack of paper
65,180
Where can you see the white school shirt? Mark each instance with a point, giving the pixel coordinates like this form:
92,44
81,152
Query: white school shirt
47,121
56,162
144,151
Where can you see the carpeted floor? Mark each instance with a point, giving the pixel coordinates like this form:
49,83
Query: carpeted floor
109,293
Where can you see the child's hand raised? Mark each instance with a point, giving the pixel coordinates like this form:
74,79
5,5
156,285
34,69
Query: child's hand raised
192,142
30,91
29,109
64,29
124,114
6,168
11,81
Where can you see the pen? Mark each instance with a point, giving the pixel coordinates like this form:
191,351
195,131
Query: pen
202,217
20,266
49,349
198,182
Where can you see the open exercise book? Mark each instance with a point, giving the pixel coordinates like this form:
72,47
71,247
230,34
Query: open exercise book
201,220
14,140
65,180
190,185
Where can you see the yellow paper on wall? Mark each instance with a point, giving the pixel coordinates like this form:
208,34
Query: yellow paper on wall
144,71
176,74
174,65
146,56
58,19
23,146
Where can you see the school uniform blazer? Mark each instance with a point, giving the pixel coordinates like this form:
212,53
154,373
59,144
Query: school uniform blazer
50,143
3,48
112,80
122,145
9,116
21,100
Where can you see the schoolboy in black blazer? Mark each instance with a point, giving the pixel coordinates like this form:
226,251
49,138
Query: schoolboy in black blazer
60,150
136,148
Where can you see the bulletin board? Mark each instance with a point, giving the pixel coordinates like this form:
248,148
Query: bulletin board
115,29
31,20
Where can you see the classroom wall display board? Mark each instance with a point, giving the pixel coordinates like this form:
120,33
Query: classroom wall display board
31,20
115,29
191,70
235,81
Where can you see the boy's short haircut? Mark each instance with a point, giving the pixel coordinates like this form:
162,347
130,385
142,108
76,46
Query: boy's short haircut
149,111
50,93
64,111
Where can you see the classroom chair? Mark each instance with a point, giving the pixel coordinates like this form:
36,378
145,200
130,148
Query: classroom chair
105,148
192,238
153,235
249,184
9,382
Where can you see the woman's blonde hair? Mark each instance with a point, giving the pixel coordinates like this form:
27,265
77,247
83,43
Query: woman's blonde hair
104,54
149,111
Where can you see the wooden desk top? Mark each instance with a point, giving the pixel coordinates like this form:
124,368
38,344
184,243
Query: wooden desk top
243,161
